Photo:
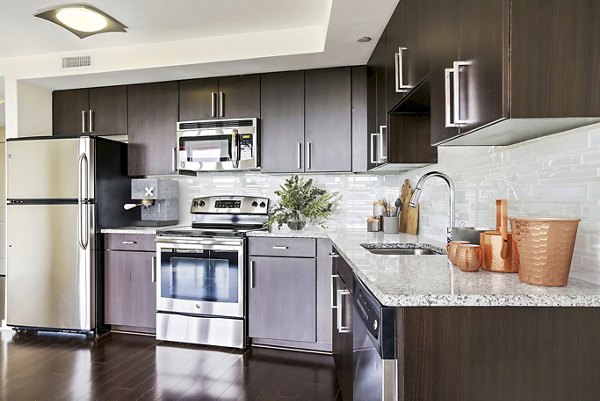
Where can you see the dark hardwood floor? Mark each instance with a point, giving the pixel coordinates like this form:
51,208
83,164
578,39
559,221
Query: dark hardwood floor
48,366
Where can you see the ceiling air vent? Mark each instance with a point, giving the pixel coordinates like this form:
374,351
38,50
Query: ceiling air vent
81,61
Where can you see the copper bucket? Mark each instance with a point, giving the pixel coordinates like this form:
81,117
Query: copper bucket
496,246
544,249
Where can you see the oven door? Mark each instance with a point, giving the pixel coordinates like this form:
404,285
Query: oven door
203,277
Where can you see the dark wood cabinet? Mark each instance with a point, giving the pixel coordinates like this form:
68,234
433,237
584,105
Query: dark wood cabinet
152,119
198,99
108,108
307,114
342,344
224,97
377,135
240,96
328,119
130,288
95,111
69,112
407,51
282,122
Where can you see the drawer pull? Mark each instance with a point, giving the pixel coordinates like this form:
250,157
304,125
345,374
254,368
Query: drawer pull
129,242
283,248
333,255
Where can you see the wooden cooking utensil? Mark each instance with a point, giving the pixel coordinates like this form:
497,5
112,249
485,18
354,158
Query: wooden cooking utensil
409,216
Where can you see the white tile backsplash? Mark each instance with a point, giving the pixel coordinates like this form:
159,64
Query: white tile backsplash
555,176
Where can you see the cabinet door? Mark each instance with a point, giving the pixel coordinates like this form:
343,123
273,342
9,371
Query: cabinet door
109,108
198,99
152,120
240,96
282,298
444,16
328,115
282,122
377,140
483,44
130,293
67,109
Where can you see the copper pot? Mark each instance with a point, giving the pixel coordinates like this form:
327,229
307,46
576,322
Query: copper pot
496,246
468,257
451,249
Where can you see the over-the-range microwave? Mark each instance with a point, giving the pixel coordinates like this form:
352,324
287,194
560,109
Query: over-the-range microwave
218,145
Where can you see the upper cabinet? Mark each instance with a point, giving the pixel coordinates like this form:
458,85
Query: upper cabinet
225,97
282,122
520,69
95,111
152,118
328,120
305,115
407,51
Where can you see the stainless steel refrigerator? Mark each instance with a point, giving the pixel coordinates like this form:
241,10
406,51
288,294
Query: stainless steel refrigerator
60,192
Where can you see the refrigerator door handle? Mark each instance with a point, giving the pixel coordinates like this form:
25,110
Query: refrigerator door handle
83,195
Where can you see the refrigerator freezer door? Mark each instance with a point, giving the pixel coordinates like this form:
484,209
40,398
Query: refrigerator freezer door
51,277
50,168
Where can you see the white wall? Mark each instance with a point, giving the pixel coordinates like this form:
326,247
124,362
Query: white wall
555,176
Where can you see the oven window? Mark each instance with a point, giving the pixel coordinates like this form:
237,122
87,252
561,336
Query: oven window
206,149
200,276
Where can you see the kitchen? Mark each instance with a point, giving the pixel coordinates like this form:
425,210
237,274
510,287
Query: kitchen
528,137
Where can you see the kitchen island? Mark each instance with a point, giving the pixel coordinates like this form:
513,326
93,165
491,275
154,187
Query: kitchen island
471,336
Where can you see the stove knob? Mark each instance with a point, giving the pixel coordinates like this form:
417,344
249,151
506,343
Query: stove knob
202,203
182,164
198,306
375,325
263,204
254,204
195,204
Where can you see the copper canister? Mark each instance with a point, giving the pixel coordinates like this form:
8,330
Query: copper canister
544,249
496,246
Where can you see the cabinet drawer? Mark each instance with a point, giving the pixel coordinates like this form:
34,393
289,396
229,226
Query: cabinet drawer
130,242
292,247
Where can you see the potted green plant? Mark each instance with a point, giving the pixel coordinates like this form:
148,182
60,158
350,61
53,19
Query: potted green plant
301,201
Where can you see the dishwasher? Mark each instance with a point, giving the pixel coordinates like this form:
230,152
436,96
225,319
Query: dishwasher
373,348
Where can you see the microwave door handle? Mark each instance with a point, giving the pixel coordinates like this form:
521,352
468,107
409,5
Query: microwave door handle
235,151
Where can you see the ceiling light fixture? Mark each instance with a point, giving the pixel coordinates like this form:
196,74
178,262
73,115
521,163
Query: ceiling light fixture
364,39
82,20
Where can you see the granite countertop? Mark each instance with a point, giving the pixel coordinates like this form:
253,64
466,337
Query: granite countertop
284,232
431,280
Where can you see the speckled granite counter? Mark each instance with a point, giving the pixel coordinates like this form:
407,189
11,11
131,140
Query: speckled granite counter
432,281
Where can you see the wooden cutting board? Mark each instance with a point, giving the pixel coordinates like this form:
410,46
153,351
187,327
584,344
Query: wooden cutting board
409,216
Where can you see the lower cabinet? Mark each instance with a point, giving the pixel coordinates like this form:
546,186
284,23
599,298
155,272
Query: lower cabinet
341,307
129,282
289,292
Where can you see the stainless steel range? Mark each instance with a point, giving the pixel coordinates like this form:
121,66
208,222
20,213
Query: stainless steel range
201,297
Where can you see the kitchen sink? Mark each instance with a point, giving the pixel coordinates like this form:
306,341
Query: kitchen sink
403,249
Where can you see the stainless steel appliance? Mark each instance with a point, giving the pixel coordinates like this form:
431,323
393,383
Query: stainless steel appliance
60,192
218,145
373,337
158,199
201,297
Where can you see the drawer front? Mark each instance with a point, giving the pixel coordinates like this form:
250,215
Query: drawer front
343,269
130,242
292,247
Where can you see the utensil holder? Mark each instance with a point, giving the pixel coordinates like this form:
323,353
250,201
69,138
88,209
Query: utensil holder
544,249
391,225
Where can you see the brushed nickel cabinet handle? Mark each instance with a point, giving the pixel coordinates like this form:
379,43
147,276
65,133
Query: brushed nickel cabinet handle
91,121
221,104
457,64
332,288
83,119
308,155
153,272
299,155
400,86
448,77
373,149
279,247
129,242
381,134
213,104
251,274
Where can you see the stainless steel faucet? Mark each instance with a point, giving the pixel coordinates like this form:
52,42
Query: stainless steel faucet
417,193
